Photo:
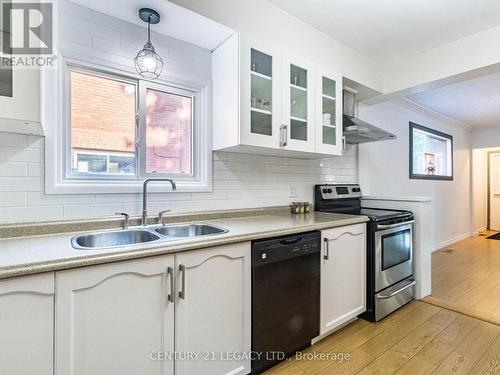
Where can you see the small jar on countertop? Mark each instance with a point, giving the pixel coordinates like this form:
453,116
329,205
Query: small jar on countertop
300,207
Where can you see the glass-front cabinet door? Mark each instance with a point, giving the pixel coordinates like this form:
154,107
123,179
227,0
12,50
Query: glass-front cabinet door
260,95
298,106
328,112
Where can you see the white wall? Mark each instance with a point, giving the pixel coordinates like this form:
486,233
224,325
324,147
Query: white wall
240,181
486,138
384,169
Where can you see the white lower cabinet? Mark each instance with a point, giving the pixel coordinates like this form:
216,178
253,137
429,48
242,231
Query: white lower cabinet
212,318
343,275
127,318
27,325
111,317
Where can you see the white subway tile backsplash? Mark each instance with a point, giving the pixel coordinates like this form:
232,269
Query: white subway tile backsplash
40,199
78,37
75,22
13,199
20,184
13,140
30,214
20,154
78,211
239,181
35,169
73,9
8,169
36,141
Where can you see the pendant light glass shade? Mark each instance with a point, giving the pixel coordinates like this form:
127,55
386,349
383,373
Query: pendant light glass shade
147,62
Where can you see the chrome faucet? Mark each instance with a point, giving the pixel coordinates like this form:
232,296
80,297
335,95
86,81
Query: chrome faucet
145,196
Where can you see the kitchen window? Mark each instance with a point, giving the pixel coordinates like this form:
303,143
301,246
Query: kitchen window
107,139
117,129
431,154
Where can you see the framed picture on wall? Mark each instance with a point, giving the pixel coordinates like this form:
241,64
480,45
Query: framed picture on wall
431,154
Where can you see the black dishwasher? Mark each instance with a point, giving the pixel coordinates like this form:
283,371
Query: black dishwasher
285,296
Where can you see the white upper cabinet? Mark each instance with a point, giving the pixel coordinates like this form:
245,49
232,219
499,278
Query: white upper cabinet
268,101
260,95
27,325
298,104
328,111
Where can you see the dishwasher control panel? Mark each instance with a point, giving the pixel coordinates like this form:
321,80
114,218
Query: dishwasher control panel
281,248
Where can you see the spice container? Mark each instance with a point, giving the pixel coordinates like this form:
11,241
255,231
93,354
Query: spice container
300,207
296,207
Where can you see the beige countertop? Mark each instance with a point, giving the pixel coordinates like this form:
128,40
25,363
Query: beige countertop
36,254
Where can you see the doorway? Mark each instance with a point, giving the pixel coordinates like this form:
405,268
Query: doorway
494,190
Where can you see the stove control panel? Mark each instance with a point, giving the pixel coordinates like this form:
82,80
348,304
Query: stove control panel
339,191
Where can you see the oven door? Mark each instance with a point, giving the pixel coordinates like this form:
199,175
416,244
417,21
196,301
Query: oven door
393,254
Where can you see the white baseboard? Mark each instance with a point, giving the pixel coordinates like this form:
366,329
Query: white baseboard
452,241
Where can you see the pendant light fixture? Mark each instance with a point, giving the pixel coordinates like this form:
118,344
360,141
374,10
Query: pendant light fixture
147,62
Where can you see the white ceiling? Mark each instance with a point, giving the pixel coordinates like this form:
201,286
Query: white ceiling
475,102
388,30
176,21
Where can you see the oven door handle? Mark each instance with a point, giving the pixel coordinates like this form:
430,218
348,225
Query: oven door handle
398,291
395,225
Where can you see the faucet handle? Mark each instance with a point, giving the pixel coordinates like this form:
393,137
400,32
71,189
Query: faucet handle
126,216
160,216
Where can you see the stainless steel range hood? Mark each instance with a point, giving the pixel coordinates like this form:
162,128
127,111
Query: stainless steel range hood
356,130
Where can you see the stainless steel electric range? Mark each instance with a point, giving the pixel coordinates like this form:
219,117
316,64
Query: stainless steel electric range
389,248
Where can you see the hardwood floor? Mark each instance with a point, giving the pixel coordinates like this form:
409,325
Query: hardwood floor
420,338
451,334
466,278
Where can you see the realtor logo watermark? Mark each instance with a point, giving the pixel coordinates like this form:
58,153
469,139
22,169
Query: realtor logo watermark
27,37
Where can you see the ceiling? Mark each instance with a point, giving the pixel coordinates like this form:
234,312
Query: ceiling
176,21
388,30
475,102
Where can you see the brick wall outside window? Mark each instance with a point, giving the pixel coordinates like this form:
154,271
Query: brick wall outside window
102,114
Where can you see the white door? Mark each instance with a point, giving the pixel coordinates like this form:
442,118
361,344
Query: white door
343,275
212,316
328,112
115,318
260,92
27,325
298,104
494,191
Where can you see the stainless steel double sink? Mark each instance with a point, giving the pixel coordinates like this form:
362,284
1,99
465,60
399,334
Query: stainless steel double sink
141,235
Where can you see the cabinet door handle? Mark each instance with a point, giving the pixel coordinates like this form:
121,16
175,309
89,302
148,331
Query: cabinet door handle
282,135
326,256
285,135
182,293
344,145
170,272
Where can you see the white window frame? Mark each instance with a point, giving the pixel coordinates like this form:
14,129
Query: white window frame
55,110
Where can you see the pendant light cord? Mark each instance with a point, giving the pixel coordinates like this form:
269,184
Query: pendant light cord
149,28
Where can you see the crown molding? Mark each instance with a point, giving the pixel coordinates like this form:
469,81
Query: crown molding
429,113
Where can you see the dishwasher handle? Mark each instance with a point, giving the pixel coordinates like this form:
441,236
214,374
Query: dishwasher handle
291,241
